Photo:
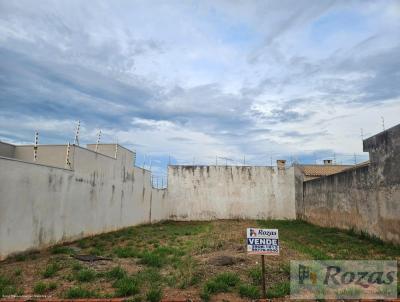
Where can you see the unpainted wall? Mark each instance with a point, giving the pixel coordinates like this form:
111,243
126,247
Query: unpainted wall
365,198
226,192
42,205
7,150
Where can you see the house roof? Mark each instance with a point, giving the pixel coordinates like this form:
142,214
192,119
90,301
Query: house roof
323,170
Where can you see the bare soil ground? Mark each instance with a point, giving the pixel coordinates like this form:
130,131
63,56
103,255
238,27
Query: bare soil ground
193,260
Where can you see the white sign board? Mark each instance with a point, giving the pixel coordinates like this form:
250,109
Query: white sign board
262,241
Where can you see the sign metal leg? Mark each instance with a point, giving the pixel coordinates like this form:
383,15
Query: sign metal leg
264,295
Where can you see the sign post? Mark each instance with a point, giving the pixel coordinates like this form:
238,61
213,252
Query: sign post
262,242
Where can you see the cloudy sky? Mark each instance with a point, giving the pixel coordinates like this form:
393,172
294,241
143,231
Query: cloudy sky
200,79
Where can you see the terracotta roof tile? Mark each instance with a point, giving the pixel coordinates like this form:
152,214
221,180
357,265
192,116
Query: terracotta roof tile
323,170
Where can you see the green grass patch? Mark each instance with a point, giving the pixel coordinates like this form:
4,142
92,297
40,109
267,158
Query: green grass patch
79,292
76,266
154,295
152,259
7,286
41,288
161,255
85,275
18,272
222,283
249,291
330,243
127,286
125,252
186,273
279,290
150,276
50,270
62,250
116,273
255,273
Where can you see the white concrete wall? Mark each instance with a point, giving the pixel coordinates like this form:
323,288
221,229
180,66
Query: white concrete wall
226,192
52,155
7,150
42,205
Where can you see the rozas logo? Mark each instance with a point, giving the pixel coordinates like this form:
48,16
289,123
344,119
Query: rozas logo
343,279
266,233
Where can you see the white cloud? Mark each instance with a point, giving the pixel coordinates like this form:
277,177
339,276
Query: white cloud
202,79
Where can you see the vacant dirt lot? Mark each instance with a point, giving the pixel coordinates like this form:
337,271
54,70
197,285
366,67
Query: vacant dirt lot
196,260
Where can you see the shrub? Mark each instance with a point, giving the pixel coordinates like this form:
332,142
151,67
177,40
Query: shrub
249,291
154,295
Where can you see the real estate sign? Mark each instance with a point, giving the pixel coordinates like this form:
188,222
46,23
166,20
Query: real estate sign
262,241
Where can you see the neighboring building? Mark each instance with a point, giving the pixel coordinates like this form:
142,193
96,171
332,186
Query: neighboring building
328,168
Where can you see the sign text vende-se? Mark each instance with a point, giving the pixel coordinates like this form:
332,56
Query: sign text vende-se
262,241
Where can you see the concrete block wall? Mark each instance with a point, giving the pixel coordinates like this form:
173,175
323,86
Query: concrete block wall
365,198
226,192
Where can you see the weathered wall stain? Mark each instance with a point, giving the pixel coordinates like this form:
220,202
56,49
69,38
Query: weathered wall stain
230,192
42,205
